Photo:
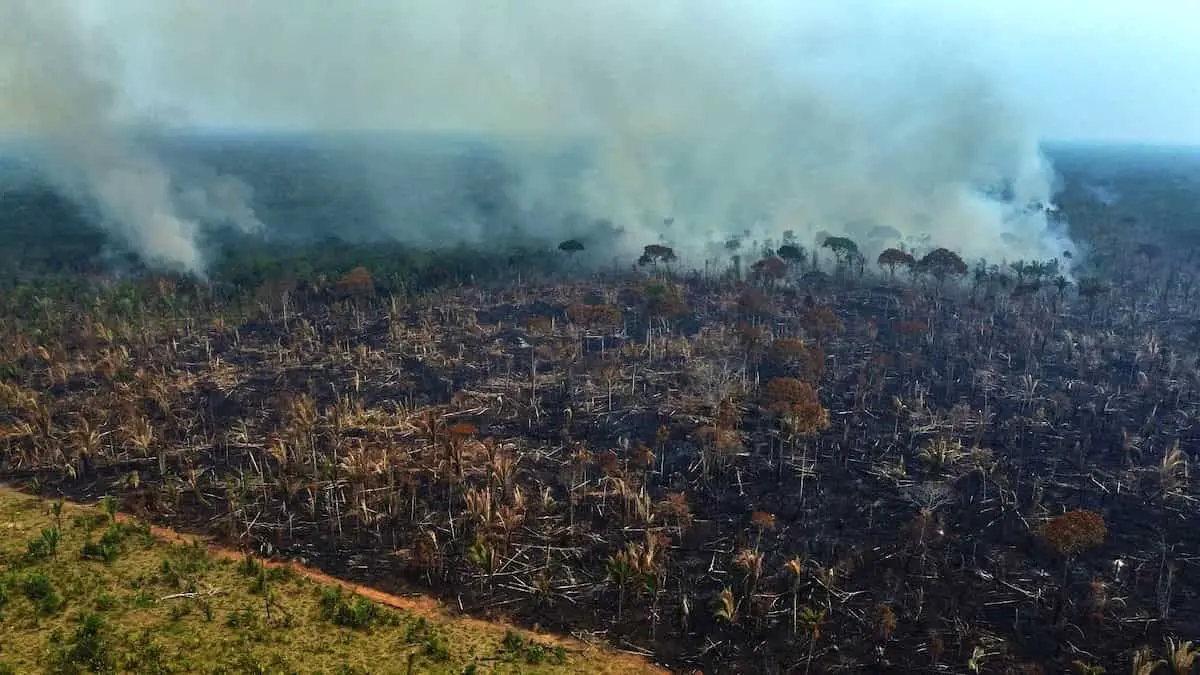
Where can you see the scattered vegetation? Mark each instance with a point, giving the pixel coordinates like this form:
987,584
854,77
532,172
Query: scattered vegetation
979,466
177,608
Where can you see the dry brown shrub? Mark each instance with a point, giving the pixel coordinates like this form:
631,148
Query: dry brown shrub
797,403
885,621
823,322
675,506
357,281
727,414
763,520
751,336
642,457
594,316
462,430
754,302
770,269
1074,532
785,349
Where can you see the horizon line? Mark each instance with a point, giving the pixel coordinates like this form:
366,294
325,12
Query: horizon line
279,131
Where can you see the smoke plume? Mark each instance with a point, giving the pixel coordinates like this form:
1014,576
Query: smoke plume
61,91
622,123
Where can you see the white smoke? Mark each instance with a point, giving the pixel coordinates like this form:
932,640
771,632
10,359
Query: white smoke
61,89
697,120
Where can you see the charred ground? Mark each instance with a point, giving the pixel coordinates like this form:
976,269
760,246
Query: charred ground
803,460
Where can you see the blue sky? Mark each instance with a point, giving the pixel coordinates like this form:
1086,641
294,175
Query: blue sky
1115,70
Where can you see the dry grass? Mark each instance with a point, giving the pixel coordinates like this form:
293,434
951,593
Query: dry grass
161,605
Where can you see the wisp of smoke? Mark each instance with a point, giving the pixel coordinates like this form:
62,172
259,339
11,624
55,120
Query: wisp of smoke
621,123
61,90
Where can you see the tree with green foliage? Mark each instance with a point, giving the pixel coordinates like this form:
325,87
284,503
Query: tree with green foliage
792,254
571,247
664,300
86,652
844,249
654,254
1035,271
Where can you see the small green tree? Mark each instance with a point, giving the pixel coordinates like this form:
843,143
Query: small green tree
571,247
844,249
812,620
622,570
726,609
87,650
792,254
654,254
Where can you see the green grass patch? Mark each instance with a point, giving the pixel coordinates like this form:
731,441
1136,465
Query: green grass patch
83,592
514,647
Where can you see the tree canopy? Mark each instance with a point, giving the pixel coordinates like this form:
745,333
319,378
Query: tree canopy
894,257
791,253
941,263
843,248
656,253
770,269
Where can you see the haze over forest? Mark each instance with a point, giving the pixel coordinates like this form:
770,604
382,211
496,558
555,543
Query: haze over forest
620,124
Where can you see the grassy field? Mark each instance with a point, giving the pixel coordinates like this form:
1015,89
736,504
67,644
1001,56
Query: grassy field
83,590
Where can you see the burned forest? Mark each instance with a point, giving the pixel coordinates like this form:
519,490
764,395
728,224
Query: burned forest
806,458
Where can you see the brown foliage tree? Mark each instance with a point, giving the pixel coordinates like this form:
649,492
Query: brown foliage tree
911,327
804,361
1074,531
797,404
893,258
769,270
675,507
594,316
755,303
357,281
784,350
1068,535
750,336
823,322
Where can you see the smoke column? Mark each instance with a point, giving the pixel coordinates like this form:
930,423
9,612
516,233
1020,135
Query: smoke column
688,122
61,93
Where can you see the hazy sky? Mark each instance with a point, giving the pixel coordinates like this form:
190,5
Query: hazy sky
1110,69
1081,69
